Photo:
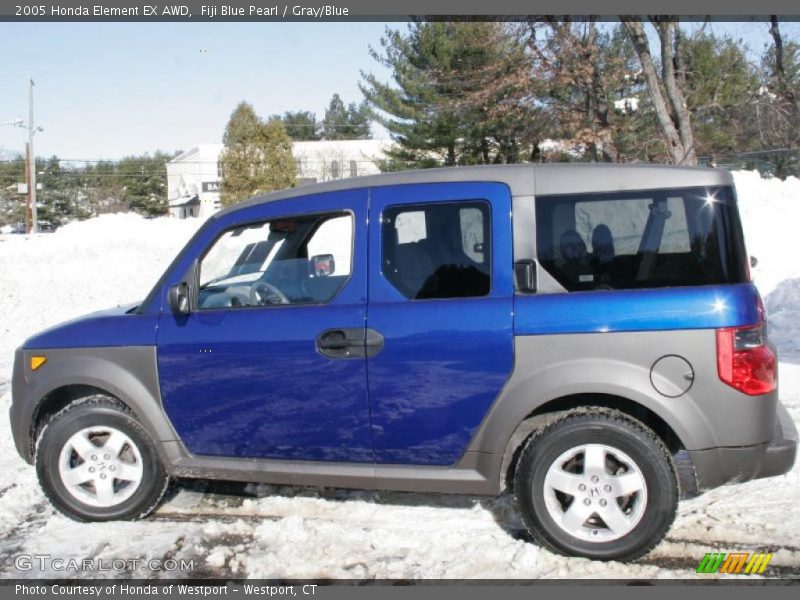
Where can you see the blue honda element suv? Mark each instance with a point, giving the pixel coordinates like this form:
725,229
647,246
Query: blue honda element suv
586,337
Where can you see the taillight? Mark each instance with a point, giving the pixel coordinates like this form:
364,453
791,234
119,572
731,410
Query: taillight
744,361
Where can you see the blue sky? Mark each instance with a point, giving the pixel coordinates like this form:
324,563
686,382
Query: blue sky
110,89
105,90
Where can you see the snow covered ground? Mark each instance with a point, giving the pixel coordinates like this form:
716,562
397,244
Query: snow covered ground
241,530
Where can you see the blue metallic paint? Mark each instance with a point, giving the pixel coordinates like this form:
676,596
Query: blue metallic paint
249,382
111,327
704,307
444,360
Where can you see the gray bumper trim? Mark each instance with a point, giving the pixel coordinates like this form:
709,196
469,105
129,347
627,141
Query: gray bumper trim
717,466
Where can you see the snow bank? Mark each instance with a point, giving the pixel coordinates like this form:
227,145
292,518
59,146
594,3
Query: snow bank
46,279
770,210
783,317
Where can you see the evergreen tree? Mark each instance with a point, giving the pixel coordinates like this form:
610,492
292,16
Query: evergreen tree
334,124
300,125
143,179
358,121
437,110
12,208
720,87
257,156
342,122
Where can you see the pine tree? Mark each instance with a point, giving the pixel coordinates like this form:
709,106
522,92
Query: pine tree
257,156
436,109
143,179
301,125
351,122
358,121
721,86
335,122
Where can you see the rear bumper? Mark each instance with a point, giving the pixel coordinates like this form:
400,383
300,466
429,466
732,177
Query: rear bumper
717,466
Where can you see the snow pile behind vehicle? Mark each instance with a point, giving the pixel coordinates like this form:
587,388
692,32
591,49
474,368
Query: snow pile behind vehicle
769,209
85,266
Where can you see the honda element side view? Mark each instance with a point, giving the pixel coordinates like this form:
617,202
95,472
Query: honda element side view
586,337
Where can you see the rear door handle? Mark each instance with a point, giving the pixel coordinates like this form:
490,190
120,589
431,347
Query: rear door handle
354,342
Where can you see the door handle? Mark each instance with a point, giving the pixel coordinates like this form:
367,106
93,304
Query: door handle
355,342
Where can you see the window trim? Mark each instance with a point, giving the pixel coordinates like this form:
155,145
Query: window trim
484,201
195,289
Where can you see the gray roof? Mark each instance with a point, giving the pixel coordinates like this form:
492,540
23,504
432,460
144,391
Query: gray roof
527,180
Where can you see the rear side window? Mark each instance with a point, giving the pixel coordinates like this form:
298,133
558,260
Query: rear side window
437,250
648,239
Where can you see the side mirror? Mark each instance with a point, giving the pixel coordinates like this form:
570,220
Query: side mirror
525,276
179,298
322,265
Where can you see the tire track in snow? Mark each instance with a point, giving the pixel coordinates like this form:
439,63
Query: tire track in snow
209,517
12,542
744,546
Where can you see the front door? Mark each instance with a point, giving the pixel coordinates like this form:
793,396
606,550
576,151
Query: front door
267,364
440,294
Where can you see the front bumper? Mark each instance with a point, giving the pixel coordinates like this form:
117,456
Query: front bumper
21,408
717,466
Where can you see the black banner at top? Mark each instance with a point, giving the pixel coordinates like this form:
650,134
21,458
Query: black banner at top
363,10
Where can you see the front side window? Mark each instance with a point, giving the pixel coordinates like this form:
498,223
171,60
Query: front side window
301,260
647,239
438,250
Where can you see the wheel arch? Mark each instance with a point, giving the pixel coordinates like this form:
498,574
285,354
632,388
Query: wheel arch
127,375
557,407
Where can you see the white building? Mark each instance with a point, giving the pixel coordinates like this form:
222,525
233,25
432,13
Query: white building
193,178
193,182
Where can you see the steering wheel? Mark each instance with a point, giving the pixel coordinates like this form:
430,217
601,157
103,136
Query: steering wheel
263,294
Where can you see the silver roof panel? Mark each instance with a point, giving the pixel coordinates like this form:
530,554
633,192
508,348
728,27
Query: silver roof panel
525,180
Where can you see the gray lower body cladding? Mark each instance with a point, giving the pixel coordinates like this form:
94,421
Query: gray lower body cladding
717,466
128,373
728,436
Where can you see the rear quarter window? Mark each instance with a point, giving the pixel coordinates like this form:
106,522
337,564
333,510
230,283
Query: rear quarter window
645,239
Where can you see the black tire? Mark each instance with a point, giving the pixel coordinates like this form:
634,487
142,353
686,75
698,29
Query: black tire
612,429
99,411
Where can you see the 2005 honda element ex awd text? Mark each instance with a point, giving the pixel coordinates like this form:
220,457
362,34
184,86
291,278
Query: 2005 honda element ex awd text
586,337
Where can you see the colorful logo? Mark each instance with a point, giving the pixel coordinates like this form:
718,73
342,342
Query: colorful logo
735,563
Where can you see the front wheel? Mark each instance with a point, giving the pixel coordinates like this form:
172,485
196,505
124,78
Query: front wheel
597,484
95,462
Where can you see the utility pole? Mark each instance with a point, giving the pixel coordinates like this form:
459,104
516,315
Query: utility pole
32,160
28,182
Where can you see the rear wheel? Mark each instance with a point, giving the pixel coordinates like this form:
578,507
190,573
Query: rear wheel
597,484
95,462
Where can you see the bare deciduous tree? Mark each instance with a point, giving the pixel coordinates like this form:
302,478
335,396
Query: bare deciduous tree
666,91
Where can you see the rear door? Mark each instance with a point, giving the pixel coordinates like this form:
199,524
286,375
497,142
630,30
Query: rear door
440,294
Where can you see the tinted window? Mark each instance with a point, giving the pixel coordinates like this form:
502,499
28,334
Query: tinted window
287,261
438,250
629,240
